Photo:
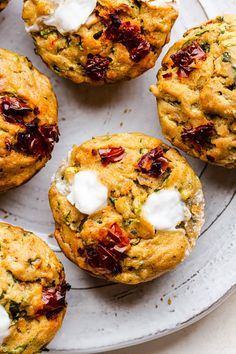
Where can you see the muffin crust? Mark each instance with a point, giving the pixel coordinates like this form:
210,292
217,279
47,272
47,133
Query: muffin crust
32,290
124,165
119,41
196,92
28,120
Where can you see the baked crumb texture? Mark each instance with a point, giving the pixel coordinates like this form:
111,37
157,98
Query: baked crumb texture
116,242
196,92
32,290
119,41
28,120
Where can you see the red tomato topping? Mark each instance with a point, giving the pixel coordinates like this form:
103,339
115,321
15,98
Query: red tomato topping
199,136
129,35
34,140
96,66
37,140
106,257
54,299
111,155
13,109
167,76
153,163
186,56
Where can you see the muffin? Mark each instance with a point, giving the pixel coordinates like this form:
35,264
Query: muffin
32,292
28,120
127,207
99,42
196,92
3,4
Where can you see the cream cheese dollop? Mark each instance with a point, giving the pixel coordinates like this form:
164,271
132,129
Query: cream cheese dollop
87,193
68,15
164,209
5,323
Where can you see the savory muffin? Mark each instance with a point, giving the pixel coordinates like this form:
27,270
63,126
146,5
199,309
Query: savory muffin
28,120
100,41
32,292
127,207
3,4
196,92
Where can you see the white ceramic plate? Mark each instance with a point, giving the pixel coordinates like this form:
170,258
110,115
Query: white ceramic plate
103,316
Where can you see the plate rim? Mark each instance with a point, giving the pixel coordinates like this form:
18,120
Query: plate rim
153,336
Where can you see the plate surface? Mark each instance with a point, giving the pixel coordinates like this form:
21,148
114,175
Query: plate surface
103,316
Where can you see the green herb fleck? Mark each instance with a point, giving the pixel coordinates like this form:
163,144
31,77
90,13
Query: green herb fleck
98,34
112,200
206,47
226,57
220,18
45,33
14,309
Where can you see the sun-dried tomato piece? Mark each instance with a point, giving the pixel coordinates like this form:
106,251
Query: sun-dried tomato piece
54,300
185,57
140,52
103,260
97,66
37,140
13,109
167,76
111,155
112,31
50,135
129,35
117,239
199,137
106,257
153,163
34,140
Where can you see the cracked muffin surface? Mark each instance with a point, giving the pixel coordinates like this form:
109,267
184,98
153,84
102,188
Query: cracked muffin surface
32,291
28,120
3,4
196,92
119,40
102,199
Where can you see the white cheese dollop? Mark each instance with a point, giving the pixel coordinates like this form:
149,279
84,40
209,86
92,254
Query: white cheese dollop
68,16
62,186
87,193
5,323
164,209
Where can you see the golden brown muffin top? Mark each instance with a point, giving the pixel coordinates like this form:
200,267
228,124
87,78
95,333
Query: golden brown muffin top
196,92
131,166
120,40
28,120
32,289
